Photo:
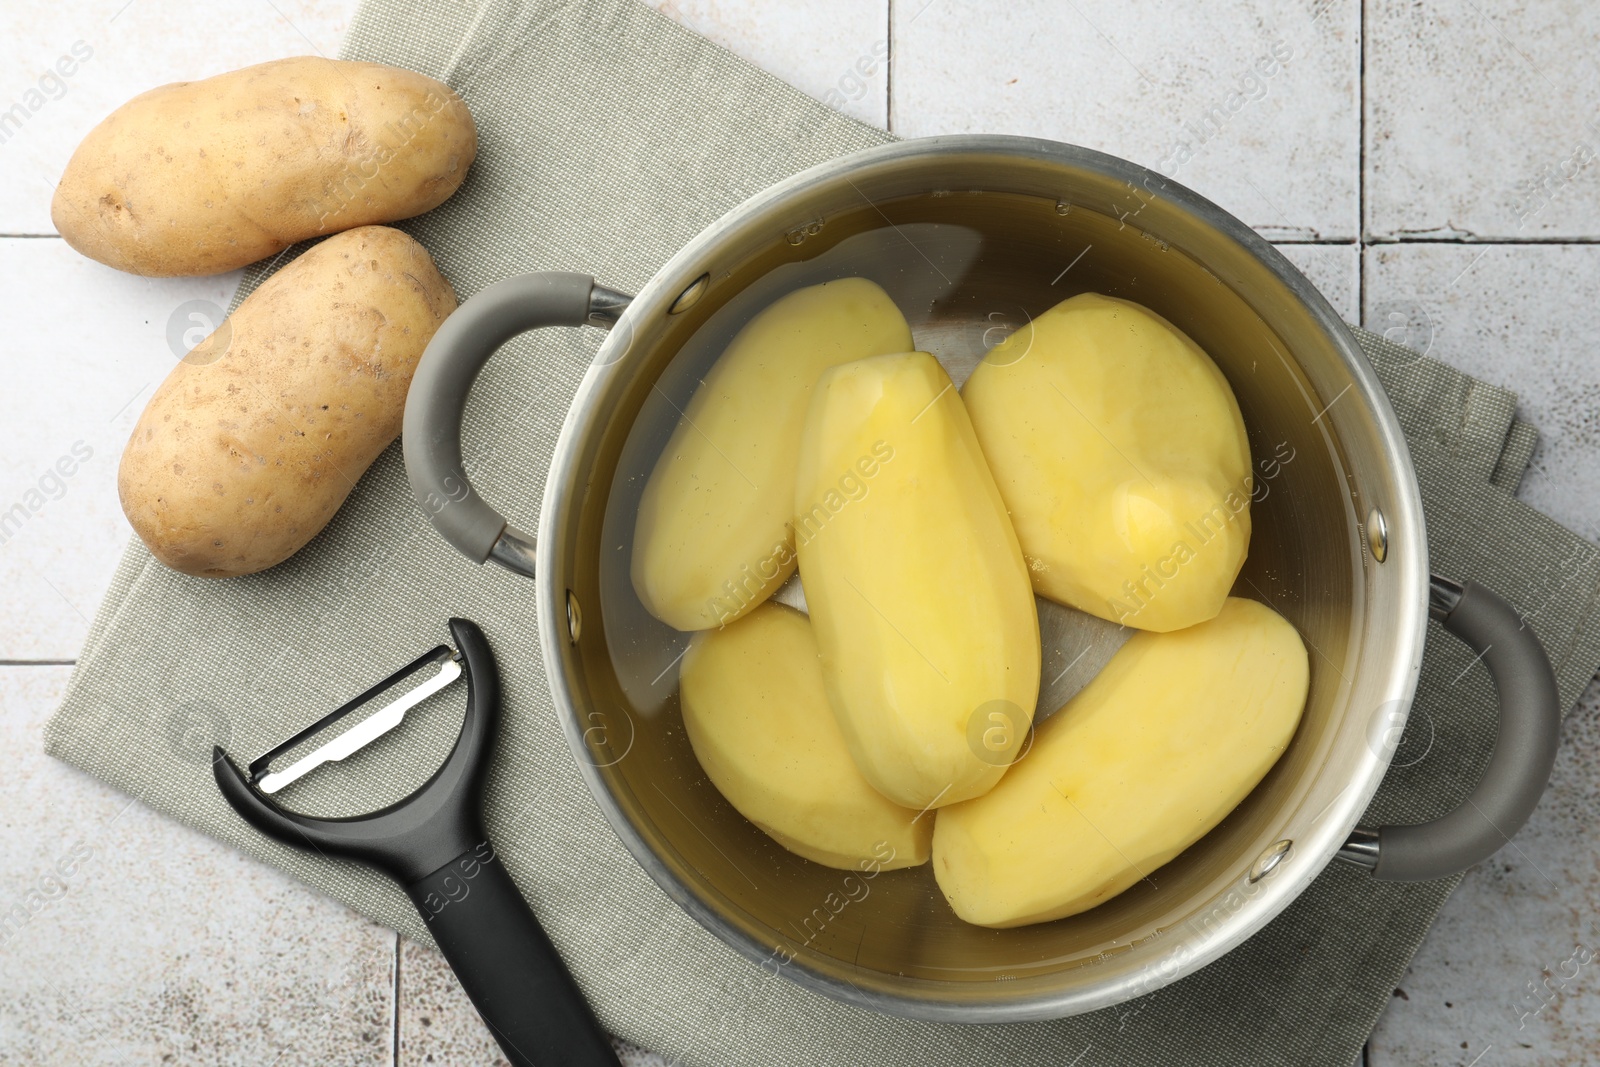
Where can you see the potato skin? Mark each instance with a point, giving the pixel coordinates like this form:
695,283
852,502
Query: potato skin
204,177
254,440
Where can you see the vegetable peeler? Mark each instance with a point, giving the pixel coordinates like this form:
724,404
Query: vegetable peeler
434,845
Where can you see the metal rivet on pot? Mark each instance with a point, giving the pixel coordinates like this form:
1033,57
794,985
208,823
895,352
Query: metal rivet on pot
1269,860
1377,535
800,233
574,617
690,296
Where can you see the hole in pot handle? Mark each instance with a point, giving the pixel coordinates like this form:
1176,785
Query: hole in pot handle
1524,752
431,438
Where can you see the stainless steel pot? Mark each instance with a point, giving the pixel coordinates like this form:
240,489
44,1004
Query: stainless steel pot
1010,226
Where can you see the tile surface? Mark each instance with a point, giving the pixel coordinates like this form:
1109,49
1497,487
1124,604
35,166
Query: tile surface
836,51
1517,316
438,1025
1252,103
126,938
91,349
116,49
1481,118
1511,972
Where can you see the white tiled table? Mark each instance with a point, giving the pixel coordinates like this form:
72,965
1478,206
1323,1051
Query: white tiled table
1423,163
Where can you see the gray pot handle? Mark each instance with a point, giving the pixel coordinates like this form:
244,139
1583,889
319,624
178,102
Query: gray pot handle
1524,753
431,438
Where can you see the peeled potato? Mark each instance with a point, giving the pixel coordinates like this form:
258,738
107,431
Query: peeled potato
1166,741
916,586
758,717
713,539
1120,452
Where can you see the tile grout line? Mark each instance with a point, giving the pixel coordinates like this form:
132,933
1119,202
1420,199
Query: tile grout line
888,66
1361,181
1368,240
394,1020
1365,240
1578,240
1364,1059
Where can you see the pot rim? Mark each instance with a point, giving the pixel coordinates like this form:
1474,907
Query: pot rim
1263,899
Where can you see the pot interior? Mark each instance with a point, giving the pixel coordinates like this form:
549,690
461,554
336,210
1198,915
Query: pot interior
970,252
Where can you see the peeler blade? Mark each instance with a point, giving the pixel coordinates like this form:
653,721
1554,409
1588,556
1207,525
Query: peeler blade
362,733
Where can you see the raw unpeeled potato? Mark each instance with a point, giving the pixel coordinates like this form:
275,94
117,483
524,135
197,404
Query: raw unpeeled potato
254,440
203,177
713,538
916,587
758,717
1165,742
1120,451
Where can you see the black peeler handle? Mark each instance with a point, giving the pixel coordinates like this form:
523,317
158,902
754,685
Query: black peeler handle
507,965
433,844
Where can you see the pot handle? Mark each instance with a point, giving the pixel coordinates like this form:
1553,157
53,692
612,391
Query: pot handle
1524,753
431,437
